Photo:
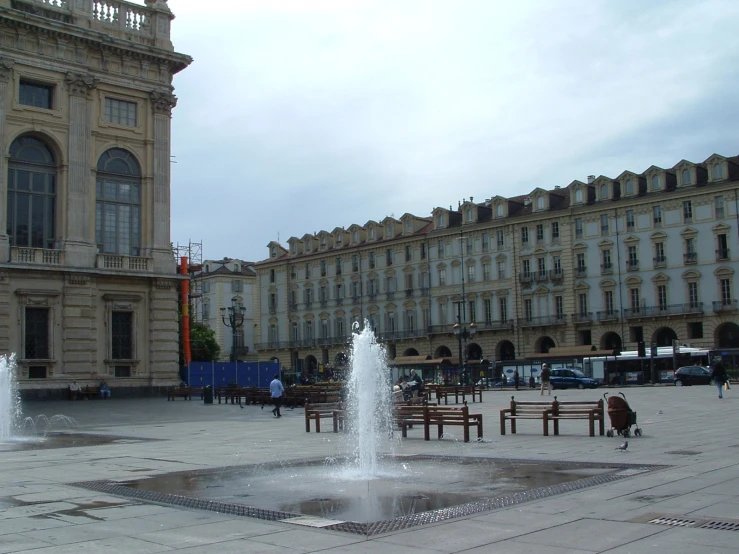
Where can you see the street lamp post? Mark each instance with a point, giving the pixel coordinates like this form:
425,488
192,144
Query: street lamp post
463,333
233,317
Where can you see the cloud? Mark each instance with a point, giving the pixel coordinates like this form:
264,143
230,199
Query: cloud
299,116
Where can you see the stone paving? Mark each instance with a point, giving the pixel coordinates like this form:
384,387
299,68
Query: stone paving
688,429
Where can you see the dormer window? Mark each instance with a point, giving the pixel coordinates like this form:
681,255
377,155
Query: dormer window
469,215
578,195
655,182
372,233
323,242
604,192
389,231
499,210
236,266
440,220
718,171
309,245
630,186
355,236
408,226
292,248
540,203
339,240
686,176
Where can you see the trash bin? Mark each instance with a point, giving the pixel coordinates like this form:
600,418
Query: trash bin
208,395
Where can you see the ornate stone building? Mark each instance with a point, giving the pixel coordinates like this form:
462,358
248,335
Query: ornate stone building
88,287
610,262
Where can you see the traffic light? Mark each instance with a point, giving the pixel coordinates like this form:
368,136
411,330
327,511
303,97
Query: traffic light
642,349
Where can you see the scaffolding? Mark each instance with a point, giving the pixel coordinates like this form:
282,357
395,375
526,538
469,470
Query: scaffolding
194,253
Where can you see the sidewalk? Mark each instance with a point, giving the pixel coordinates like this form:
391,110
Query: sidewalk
686,428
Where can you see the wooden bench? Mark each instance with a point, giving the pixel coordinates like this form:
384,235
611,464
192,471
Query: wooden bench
440,416
457,391
186,393
526,410
85,393
316,412
591,411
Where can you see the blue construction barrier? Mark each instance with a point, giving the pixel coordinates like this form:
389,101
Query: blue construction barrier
220,374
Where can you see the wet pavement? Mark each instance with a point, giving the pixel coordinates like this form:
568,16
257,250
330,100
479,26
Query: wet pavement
686,429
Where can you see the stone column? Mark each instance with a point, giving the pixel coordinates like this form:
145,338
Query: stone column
164,333
161,250
79,245
6,67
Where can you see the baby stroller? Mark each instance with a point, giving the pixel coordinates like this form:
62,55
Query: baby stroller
621,415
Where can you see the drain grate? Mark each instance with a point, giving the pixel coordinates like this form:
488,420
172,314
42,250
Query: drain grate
674,521
721,525
684,452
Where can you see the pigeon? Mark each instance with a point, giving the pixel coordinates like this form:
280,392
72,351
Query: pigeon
623,446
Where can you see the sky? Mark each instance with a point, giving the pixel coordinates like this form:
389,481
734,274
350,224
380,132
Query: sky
298,116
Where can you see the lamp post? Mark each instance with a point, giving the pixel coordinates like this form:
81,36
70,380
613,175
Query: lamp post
233,317
463,333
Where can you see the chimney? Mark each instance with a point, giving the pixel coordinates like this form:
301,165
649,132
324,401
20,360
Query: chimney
472,199
557,187
591,178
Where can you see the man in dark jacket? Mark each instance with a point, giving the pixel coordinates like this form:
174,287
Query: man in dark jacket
719,377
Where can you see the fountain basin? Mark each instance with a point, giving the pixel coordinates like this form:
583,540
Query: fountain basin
61,440
408,490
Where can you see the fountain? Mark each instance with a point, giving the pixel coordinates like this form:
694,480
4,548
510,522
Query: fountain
369,404
10,406
367,486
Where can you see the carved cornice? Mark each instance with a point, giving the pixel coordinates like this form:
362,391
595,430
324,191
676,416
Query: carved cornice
163,101
80,84
164,284
6,66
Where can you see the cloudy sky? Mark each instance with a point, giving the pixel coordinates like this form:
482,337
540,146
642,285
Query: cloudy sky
303,115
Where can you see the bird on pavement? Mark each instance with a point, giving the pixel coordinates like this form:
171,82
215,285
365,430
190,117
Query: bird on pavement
623,446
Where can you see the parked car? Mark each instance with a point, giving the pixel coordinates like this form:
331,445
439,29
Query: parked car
571,378
692,375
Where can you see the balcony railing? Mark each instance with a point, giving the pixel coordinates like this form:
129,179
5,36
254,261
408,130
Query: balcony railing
632,265
41,256
581,271
323,302
725,306
273,309
541,321
496,325
424,291
339,301
722,254
541,276
124,263
372,295
356,299
408,293
583,317
605,269
272,345
526,278
138,23
690,257
556,274
440,329
664,310
660,261
293,306
390,295
607,315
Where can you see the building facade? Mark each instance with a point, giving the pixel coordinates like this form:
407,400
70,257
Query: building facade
88,284
224,284
611,261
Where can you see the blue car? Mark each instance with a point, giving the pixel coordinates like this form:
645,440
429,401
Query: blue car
571,379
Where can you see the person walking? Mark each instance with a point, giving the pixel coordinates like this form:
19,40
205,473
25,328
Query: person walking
546,375
719,377
515,379
276,391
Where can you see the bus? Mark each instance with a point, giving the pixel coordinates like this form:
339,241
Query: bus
629,368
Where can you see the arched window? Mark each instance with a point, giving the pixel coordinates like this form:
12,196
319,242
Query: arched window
686,176
718,171
31,194
578,195
604,192
655,182
630,186
118,206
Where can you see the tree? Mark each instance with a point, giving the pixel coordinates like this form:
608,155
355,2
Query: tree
203,345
